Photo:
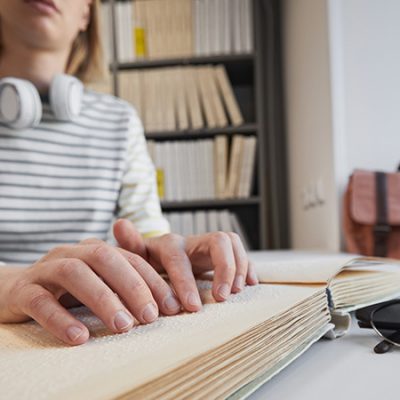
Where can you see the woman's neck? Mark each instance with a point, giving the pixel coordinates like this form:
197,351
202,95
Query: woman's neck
39,67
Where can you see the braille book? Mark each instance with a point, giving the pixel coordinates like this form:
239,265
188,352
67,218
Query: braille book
224,351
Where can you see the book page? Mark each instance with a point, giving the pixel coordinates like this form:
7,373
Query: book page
298,266
319,267
110,365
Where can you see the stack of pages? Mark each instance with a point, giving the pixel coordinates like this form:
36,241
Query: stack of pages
351,282
226,350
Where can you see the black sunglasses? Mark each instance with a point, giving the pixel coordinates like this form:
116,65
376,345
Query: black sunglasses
384,319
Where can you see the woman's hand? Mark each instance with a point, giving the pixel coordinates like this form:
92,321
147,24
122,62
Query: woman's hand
181,258
116,285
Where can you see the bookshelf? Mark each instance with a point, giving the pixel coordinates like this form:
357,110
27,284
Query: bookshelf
198,60
256,81
182,205
245,129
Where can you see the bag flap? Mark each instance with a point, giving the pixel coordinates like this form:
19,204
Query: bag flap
363,197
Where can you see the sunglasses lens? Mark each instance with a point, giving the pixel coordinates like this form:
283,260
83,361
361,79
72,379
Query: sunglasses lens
387,321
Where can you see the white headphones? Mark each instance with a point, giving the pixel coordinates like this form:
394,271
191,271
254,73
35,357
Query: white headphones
21,107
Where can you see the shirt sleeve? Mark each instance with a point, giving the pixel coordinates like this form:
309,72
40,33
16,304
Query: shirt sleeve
138,199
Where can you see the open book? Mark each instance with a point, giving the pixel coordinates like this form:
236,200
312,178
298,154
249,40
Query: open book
225,350
352,282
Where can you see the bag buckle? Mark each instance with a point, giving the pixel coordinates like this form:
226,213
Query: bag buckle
382,229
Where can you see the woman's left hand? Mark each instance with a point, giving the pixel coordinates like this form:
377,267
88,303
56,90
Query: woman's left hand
182,258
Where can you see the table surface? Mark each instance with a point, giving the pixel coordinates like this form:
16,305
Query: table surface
341,369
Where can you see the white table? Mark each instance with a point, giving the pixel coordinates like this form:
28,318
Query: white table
345,368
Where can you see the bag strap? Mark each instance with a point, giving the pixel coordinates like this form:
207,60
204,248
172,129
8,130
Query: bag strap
382,228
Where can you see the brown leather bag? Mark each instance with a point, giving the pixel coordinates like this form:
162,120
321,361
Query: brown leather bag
372,214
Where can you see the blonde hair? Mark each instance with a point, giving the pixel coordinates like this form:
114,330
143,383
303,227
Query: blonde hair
86,58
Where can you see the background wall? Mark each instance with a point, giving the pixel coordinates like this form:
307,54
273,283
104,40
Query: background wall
370,33
342,89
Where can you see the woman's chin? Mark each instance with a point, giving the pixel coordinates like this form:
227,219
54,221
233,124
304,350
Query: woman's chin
37,29
44,34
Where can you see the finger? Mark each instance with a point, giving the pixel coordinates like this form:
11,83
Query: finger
223,260
91,241
42,306
81,282
177,264
119,275
252,278
128,237
241,261
161,291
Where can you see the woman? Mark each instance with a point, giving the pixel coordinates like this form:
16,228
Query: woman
62,182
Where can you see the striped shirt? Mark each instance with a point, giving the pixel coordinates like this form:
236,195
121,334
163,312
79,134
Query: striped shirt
62,182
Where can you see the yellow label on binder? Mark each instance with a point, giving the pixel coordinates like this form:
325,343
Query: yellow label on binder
140,42
160,183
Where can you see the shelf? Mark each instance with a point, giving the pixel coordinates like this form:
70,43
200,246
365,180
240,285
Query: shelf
203,133
179,205
197,60
257,83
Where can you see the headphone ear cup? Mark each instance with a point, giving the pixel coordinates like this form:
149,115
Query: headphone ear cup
20,105
66,93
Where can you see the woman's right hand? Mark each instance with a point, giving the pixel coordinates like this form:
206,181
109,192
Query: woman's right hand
116,285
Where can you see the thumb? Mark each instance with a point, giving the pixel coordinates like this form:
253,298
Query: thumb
129,238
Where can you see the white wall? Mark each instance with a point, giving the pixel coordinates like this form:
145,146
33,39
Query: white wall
309,122
370,35
342,88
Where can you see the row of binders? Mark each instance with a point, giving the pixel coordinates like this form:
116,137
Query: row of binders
181,98
201,222
156,29
204,169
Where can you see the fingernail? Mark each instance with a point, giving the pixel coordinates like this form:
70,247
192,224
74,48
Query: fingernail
193,300
122,320
171,304
224,290
239,282
150,313
254,277
73,332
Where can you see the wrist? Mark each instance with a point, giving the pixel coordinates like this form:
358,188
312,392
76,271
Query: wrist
8,276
